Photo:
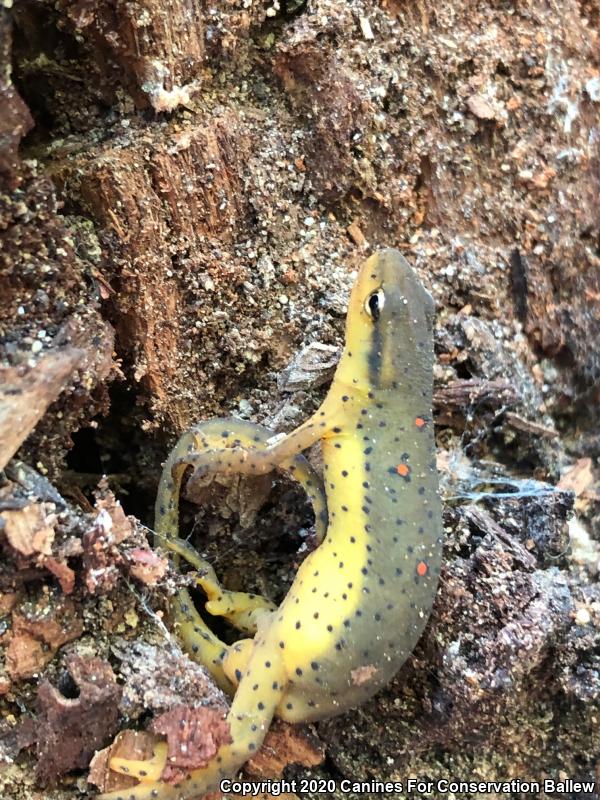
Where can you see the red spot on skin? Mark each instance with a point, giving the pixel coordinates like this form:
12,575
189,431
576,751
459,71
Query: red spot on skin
422,569
403,470
420,422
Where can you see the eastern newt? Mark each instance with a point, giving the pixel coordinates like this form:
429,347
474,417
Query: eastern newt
361,599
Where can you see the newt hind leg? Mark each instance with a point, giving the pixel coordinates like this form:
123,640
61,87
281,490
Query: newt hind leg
240,609
243,610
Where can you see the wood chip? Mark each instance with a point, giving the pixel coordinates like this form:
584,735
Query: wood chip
577,478
285,744
357,236
479,106
521,424
367,30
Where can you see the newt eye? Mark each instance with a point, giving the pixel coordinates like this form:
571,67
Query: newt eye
374,304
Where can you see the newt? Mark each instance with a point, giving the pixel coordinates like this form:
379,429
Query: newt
361,599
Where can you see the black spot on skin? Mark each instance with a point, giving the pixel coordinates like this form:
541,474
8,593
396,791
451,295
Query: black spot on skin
314,665
337,429
298,624
377,617
364,571
421,490
261,706
367,450
289,706
330,628
282,645
345,473
344,508
365,484
298,671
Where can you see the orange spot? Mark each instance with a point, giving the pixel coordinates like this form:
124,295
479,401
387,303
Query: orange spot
403,469
422,569
420,422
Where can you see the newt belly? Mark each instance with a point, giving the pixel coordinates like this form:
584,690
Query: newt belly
360,601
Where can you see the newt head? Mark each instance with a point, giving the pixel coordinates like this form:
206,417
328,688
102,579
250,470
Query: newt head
389,327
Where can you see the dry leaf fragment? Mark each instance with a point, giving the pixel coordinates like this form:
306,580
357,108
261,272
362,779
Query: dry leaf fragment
133,745
146,565
30,530
363,674
34,641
